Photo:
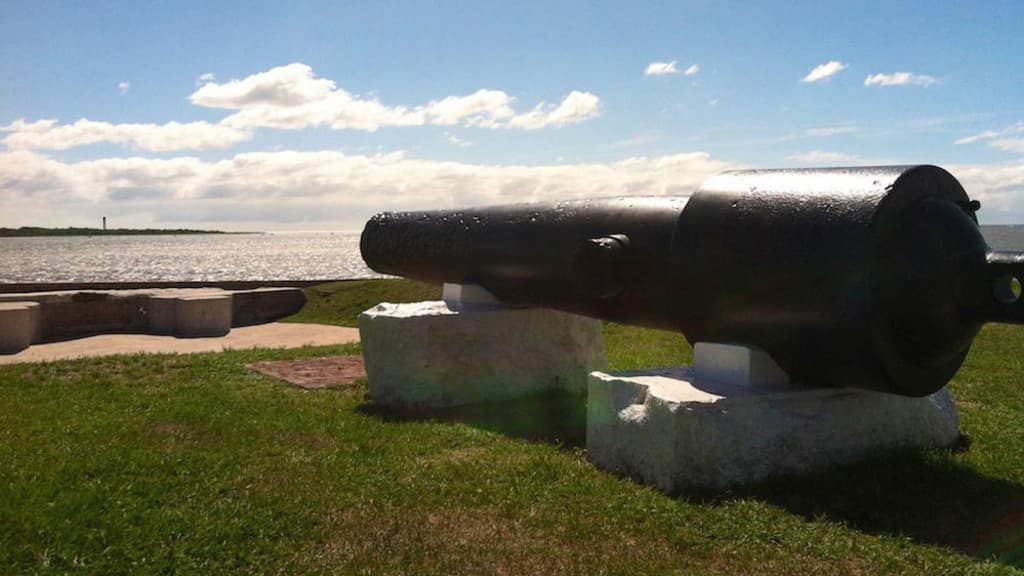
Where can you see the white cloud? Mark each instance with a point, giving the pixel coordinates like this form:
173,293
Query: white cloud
641,139
899,79
577,107
822,157
661,68
1004,139
1009,144
289,189
456,141
830,131
326,187
338,109
123,87
292,97
986,135
999,188
289,85
205,78
665,68
819,132
49,135
824,71
482,108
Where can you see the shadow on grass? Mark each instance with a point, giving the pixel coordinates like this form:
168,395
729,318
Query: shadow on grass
925,497
559,419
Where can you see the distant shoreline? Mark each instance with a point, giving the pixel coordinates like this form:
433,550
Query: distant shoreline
29,231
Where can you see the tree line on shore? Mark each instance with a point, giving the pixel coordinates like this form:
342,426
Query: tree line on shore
74,231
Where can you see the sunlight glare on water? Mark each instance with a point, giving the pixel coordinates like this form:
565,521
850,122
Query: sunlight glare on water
204,257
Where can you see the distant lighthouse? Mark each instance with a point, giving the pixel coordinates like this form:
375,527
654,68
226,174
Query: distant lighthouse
104,223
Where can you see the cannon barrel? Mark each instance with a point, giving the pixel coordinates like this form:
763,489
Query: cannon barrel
871,277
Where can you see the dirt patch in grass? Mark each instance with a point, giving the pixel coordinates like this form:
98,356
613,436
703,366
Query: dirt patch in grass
315,373
173,434
306,440
171,429
460,454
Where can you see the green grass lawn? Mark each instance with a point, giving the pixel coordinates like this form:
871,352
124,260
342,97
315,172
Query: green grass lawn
197,465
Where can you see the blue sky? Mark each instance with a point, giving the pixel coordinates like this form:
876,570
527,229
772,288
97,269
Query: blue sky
310,115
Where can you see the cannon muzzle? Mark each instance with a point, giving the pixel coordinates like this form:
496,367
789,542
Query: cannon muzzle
872,277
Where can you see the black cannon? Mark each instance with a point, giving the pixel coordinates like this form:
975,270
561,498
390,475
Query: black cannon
873,277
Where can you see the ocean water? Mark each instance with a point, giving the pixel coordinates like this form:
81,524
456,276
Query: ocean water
213,257
1004,237
201,257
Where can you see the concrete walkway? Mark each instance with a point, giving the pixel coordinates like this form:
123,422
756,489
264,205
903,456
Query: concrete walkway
274,335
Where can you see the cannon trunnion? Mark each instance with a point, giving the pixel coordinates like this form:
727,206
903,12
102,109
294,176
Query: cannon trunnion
867,277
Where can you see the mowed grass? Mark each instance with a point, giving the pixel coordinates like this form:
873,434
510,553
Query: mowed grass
197,465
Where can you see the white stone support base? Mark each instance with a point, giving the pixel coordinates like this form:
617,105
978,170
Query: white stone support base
676,428
458,296
19,326
428,354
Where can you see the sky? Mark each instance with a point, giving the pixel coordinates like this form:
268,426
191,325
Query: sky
315,115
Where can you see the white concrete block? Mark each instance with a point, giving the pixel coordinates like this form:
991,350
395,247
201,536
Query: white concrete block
19,326
203,315
458,296
673,430
163,317
35,318
428,354
738,365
